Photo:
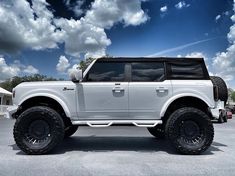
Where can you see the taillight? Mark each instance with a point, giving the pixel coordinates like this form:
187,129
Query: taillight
216,93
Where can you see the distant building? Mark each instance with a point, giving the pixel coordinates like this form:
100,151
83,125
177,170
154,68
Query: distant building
5,100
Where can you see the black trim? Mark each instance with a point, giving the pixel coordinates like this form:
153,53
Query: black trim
149,59
181,78
166,71
128,72
205,71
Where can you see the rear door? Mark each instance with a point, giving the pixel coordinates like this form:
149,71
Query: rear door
148,89
103,94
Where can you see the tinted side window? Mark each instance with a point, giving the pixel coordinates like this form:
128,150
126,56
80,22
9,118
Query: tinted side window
186,70
147,71
106,72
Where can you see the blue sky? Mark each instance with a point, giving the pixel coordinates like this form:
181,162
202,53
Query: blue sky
177,27
50,37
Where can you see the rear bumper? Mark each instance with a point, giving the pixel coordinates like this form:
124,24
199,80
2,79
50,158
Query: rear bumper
216,111
10,111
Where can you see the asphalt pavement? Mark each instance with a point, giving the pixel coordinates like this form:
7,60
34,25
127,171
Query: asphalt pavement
117,151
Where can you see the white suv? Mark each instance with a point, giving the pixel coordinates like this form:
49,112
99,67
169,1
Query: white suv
173,97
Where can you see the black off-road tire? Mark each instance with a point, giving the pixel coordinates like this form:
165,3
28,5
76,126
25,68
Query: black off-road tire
38,130
158,131
70,130
189,130
222,88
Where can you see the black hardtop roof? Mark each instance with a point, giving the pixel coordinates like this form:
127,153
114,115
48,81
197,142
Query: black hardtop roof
149,59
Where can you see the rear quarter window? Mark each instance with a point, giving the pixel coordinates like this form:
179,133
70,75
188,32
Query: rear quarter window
186,70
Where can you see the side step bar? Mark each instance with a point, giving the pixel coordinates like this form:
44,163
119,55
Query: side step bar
107,123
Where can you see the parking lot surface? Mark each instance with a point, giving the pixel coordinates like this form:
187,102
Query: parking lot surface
118,151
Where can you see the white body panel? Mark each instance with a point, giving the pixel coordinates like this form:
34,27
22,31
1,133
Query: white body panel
146,99
102,100
201,89
133,100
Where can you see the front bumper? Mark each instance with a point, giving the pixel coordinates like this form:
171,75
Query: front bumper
216,111
10,111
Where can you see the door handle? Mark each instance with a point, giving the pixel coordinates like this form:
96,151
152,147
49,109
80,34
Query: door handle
118,89
161,89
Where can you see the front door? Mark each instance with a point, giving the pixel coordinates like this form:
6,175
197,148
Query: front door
148,90
103,93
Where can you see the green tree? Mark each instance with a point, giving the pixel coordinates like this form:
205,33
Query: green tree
233,95
85,63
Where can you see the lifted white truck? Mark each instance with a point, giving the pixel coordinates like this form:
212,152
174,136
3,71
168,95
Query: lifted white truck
173,97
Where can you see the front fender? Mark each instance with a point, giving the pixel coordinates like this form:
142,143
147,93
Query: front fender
54,97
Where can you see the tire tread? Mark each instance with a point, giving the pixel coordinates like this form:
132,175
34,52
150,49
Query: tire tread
59,126
173,138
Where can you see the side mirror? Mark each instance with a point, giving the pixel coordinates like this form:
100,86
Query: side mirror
76,75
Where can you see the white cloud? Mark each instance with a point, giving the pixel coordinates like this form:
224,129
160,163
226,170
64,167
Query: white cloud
223,62
211,74
196,55
63,67
217,17
226,13
181,5
31,70
7,71
105,13
73,69
10,70
179,55
63,64
163,9
82,37
223,15
25,25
